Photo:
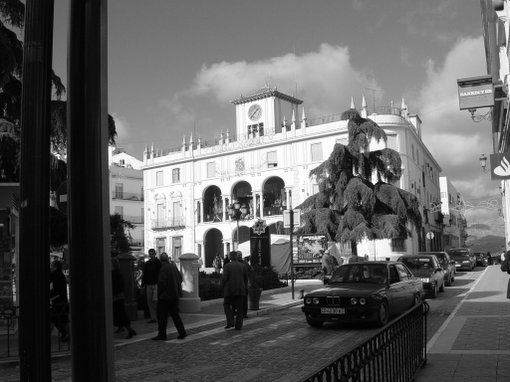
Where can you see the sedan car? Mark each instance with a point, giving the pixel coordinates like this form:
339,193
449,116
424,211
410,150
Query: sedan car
426,267
367,291
481,259
446,263
464,259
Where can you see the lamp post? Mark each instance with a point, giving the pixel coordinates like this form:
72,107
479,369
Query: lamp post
483,162
235,211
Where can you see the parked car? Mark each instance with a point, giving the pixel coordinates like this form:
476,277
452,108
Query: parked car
368,291
464,258
446,263
426,267
481,259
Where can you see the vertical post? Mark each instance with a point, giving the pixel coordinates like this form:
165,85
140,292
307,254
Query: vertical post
291,220
237,232
89,226
34,335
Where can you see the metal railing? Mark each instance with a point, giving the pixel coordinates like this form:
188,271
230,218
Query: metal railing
136,196
9,341
394,354
174,222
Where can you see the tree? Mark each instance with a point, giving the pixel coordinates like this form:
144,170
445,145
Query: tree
11,63
118,237
356,198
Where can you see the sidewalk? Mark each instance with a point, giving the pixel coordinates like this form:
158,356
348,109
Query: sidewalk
473,344
211,312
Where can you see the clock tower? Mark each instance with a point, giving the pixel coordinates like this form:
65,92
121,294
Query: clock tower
263,112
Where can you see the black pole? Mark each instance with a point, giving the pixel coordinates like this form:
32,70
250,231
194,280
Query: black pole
291,220
34,335
89,227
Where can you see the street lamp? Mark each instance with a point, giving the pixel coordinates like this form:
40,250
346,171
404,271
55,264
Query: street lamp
483,162
235,211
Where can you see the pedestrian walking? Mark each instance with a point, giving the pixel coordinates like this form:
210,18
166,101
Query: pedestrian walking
59,304
150,282
120,318
235,282
328,263
169,292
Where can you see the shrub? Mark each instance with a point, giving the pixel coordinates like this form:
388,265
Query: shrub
264,277
209,286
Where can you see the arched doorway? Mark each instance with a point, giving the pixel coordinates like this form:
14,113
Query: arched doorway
213,245
275,199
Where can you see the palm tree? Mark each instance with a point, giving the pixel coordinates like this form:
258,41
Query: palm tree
356,198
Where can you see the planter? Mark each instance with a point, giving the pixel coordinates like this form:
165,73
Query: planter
254,298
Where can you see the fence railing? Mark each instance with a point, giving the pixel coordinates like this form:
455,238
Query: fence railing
9,336
394,354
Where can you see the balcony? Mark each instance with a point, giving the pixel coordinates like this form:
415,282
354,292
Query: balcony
171,223
133,219
120,195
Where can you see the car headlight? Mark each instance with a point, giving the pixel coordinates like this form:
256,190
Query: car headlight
308,300
466,262
362,301
425,280
354,301
315,300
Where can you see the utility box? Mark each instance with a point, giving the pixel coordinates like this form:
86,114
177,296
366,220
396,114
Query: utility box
190,300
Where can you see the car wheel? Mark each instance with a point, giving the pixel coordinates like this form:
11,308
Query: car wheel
434,291
314,323
383,314
441,288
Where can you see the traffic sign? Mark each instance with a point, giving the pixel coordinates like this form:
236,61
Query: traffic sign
430,235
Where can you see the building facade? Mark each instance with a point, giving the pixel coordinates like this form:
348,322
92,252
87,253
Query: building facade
126,193
454,222
189,192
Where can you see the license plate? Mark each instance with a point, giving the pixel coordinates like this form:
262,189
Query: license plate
333,310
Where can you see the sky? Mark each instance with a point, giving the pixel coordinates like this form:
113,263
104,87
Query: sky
175,65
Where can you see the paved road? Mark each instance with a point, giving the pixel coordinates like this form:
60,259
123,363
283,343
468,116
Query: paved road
276,347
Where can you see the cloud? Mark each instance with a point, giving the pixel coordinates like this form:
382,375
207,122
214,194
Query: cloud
326,79
122,127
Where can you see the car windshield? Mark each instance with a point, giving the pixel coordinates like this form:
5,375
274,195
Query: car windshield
361,273
459,252
418,262
456,255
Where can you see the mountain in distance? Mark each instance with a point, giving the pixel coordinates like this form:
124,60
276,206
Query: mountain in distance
485,238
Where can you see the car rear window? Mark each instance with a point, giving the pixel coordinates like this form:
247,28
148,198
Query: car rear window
418,262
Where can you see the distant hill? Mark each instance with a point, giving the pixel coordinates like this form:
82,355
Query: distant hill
489,243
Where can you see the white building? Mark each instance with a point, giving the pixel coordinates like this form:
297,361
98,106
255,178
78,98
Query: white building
266,169
454,221
126,192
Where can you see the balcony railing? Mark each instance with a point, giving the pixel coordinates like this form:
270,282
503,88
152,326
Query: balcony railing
135,196
175,222
133,219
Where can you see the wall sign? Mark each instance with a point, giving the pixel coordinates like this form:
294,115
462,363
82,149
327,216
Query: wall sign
475,92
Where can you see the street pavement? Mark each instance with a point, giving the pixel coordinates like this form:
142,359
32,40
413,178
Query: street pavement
467,340
473,343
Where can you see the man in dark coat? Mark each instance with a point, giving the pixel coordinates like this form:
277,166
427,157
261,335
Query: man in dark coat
169,292
150,282
235,283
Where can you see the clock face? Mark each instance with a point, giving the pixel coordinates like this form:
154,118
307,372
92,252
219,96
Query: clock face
254,112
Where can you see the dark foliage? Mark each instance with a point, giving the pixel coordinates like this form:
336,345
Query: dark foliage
349,207
264,277
118,238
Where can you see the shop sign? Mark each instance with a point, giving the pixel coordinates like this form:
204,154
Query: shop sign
475,92
500,166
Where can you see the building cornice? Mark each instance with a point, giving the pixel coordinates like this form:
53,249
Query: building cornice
265,93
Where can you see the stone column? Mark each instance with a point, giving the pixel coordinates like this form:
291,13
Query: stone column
190,301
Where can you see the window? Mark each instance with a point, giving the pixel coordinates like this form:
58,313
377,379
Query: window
315,188
176,247
316,151
398,245
159,178
119,190
211,169
412,149
122,162
160,245
119,210
403,273
176,175
394,275
271,159
176,214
